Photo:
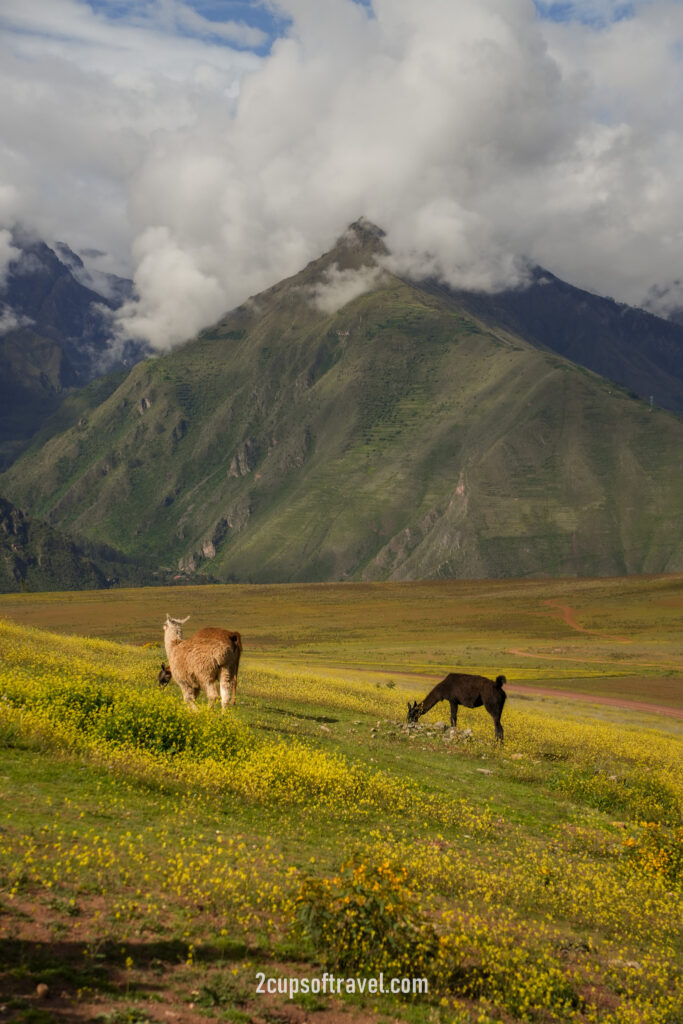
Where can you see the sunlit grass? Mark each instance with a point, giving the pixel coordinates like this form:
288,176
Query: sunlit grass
622,637
534,876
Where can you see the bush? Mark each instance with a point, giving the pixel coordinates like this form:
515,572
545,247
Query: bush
365,919
656,850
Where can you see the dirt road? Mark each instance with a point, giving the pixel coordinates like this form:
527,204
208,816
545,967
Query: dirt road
617,702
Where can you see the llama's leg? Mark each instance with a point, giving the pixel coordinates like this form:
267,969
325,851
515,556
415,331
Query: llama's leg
188,696
227,688
454,713
210,688
495,709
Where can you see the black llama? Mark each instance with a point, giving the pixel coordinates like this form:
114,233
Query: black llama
470,691
164,676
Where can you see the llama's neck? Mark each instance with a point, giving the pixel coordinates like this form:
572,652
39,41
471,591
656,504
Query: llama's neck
171,641
432,698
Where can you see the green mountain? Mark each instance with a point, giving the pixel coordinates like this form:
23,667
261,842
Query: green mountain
397,437
35,556
641,351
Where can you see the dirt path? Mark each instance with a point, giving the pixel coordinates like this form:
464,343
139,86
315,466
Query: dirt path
561,657
418,678
518,652
616,702
568,617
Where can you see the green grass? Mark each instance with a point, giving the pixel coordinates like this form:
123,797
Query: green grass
622,638
141,878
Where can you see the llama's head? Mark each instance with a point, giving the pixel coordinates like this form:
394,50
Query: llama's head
414,711
173,629
164,676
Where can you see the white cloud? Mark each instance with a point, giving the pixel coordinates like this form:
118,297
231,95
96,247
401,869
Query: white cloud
339,286
172,286
84,98
185,17
8,252
9,320
475,133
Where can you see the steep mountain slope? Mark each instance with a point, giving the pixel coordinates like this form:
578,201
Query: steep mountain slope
398,437
641,351
34,556
54,335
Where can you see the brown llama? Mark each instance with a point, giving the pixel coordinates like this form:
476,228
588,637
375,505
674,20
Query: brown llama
207,661
470,691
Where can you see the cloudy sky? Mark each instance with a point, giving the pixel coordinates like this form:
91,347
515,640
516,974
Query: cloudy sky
212,148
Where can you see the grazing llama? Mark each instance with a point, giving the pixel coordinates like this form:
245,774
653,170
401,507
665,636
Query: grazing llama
165,676
209,660
470,691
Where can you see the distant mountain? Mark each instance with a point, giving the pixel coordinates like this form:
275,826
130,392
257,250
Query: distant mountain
55,335
399,436
35,556
632,347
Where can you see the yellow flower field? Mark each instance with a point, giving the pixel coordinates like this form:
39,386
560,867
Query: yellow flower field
539,881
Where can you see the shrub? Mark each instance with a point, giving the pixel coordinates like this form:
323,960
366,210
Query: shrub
656,850
365,919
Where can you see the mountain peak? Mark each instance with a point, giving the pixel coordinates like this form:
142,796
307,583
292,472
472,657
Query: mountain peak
357,249
362,236
364,230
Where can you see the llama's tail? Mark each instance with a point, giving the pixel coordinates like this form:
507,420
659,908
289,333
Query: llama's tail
500,681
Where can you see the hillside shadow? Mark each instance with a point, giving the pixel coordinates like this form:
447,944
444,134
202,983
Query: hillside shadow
59,953
298,714
100,967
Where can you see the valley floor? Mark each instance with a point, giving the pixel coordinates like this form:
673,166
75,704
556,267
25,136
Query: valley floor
155,863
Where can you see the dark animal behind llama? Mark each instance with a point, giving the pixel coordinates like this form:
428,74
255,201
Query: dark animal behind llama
458,689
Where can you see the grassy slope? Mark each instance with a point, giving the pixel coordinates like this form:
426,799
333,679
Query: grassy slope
537,860
31,388
618,637
393,439
624,344
34,556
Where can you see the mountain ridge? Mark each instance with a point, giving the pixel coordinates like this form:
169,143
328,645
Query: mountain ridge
630,346
398,436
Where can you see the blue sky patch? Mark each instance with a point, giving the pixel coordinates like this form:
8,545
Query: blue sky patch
259,16
587,14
